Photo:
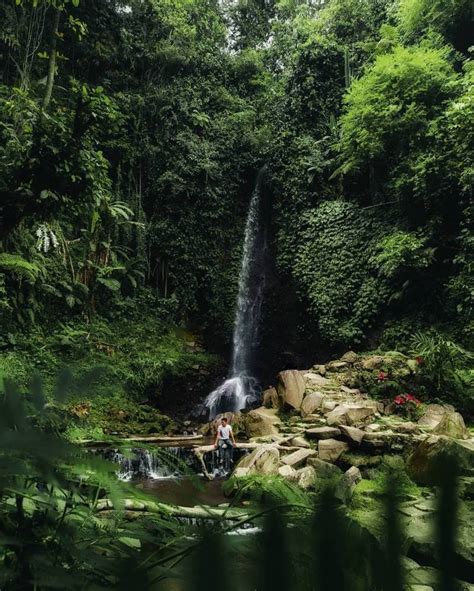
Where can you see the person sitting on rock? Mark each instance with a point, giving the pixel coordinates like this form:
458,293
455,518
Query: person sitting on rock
225,437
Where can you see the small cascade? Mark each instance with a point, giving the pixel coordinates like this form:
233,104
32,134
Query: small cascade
214,466
144,464
167,463
242,389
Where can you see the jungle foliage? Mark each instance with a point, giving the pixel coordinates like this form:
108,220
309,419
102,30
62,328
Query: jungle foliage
132,133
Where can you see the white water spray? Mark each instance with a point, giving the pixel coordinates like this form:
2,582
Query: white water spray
242,388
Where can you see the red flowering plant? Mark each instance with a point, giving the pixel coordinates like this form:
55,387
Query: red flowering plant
407,405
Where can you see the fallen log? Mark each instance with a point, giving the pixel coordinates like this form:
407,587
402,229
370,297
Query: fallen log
202,449
198,512
145,439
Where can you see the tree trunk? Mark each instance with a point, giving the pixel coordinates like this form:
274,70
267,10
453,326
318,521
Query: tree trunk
52,61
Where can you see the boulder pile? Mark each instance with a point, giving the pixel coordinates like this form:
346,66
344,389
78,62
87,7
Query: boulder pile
328,425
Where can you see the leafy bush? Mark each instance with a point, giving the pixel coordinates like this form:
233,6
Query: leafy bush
400,251
447,368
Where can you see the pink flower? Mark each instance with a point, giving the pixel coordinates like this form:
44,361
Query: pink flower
382,377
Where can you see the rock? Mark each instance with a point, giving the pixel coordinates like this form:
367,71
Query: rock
452,425
373,362
351,391
299,442
349,414
315,379
306,477
328,405
409,428
298,458
422,464
324,470
345,487
288,473
241,472
350,357
433,415
322,432
262,421
352,433
321,369
311,402
291,388
337,366
360,460
270,398
264,460
373,427
330,449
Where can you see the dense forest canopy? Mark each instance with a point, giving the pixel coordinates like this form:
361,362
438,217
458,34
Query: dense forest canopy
132,134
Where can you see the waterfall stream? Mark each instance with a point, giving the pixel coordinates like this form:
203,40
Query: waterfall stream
241,388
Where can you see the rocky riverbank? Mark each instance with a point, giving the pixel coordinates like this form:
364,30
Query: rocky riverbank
319,425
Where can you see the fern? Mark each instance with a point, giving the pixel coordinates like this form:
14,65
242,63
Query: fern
20,267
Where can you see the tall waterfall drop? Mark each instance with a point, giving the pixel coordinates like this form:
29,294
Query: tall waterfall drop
241,388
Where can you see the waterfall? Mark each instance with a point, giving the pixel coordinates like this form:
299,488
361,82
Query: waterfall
241,389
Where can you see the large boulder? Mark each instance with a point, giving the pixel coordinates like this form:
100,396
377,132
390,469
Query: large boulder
262,421
298,457
330,449
291,388
316,380
452,425
311,402
423,463
433,415
351,414
350,357
265,460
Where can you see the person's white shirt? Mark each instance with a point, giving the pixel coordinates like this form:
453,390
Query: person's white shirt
224,431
